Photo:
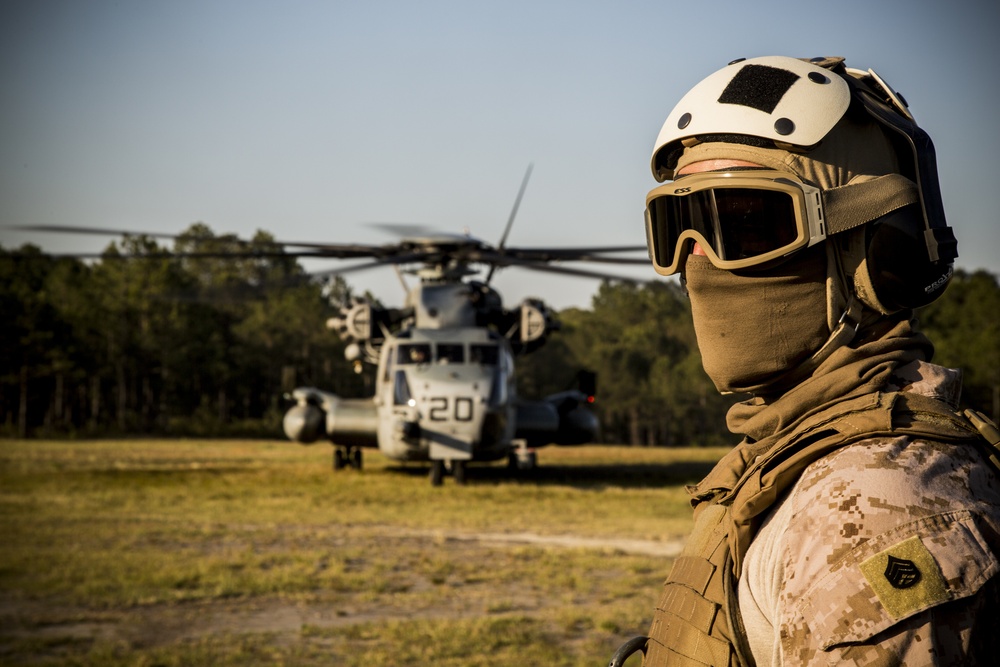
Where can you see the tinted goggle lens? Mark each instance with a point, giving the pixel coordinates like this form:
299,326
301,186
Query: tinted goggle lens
736,226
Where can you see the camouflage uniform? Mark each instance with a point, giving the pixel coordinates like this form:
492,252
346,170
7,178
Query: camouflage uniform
864,534
857,522
883,553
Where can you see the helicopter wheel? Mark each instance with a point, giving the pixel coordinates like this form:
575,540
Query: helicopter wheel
458,471
355,458
522,460
529,462
437,472
339,459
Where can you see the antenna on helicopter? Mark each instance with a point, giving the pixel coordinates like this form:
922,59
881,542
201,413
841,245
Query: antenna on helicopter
510,220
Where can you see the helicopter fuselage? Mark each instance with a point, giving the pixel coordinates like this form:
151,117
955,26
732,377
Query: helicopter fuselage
442,396
446,394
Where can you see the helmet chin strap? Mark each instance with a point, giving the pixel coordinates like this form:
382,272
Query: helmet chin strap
842,334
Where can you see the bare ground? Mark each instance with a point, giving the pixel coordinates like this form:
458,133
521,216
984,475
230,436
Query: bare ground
285,619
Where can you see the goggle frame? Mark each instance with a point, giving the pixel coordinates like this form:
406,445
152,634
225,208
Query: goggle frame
806,202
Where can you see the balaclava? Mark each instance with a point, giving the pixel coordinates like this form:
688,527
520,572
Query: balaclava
762,330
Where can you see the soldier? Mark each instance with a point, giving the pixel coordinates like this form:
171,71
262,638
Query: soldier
858,522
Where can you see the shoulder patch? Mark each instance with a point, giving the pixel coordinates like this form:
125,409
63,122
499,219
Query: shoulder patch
906,578
935,559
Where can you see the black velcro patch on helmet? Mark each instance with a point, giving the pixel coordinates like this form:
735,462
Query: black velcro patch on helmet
759,87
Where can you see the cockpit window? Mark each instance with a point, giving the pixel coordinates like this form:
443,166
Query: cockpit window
483,354
450,353
414,353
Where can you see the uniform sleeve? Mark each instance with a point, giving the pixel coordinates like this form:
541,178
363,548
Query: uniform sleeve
883,553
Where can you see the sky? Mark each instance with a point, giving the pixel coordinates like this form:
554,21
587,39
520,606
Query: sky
312,120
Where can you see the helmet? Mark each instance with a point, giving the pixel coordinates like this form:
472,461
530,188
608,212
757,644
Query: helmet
902,251
786,102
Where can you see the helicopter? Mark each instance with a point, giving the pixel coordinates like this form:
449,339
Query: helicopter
445,390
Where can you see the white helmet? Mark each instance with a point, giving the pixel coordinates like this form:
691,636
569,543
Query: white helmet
778,102
788,102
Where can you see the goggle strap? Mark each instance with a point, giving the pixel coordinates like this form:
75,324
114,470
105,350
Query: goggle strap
857,204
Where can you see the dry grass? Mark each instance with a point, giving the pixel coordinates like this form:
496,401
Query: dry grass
255,552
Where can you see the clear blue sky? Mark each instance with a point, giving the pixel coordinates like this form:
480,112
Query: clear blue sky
310,119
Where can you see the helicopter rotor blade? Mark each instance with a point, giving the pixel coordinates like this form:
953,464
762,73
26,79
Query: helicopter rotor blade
112,256
97,231
584,250
354,268
513,214
500,261
580,255
517,205
633,261
582,273
339,250
383,261
169,255
445,251
403,229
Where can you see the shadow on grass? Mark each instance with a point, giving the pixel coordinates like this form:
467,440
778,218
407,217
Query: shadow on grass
587,476
580,475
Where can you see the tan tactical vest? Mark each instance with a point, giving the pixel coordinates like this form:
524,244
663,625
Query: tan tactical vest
697,620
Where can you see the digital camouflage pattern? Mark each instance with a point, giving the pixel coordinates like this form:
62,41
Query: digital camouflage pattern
883,553
857,522
865,534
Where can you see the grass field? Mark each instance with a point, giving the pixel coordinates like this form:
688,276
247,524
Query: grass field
208,552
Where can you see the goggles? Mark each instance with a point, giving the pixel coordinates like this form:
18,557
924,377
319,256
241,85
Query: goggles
740,218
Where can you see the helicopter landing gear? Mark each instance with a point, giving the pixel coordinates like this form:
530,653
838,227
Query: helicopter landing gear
439,467
346,456
437,472
521,457
458,471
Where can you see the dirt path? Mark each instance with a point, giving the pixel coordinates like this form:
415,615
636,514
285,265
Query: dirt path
160,624
667,549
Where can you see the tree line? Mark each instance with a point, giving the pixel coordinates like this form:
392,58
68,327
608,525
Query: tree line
205,340
651,385
198,341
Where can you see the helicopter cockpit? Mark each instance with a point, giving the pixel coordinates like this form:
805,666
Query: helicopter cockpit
451,397
483,354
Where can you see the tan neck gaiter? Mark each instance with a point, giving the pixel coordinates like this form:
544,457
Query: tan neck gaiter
754,328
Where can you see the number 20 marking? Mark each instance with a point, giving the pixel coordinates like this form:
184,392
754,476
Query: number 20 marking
439,409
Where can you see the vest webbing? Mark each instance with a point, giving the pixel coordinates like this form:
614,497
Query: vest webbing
696,621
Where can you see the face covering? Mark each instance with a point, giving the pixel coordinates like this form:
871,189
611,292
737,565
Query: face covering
853,153
755,327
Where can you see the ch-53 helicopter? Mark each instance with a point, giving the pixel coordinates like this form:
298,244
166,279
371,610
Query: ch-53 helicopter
445,389
445,385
